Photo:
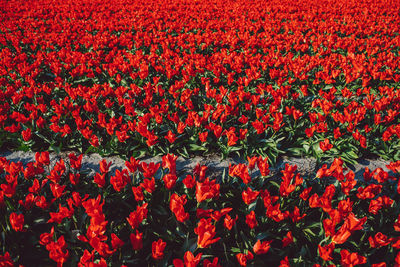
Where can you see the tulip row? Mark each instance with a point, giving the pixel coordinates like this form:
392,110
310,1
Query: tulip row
311,78
151,213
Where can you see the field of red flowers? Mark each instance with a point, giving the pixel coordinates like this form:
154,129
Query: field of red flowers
257,79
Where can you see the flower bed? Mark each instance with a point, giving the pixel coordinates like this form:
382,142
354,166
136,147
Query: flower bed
147,213
254,79
190,77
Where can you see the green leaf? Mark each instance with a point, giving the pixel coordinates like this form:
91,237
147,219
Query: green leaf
309,234
275,184
40,220
236,250
195,147
314,225
296,151
252,206
306,148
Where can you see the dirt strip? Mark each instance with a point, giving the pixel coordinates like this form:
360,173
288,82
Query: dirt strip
307,167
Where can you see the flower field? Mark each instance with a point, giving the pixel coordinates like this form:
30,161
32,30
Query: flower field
254,79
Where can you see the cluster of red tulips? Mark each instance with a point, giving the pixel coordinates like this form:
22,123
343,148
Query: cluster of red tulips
152,213
137,78
257,79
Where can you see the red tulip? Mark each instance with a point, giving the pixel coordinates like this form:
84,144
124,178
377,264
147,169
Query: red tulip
325,145
157,249
261,247
17,222
136,240
205,233
325,252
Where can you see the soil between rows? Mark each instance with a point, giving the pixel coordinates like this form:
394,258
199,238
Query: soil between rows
307,167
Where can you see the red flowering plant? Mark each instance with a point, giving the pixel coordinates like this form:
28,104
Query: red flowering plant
328,218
